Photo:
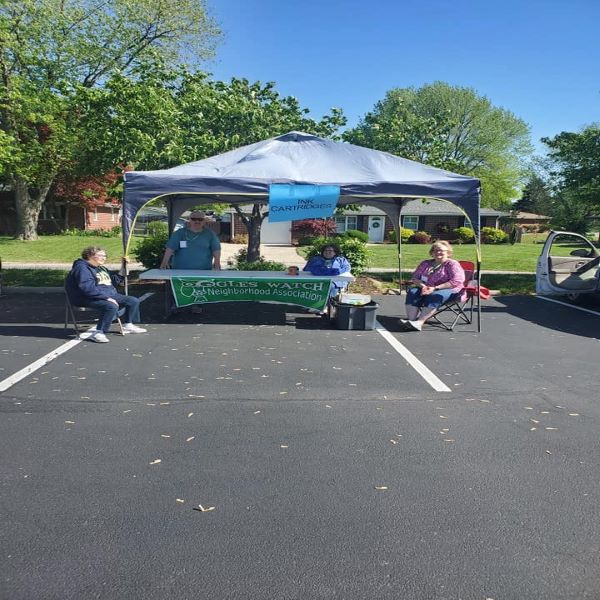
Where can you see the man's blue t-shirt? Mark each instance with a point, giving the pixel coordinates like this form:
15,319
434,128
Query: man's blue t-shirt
196,251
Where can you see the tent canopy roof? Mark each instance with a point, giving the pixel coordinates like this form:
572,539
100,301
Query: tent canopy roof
244,174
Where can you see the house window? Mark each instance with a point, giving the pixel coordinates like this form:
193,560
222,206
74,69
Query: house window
410,223
342,224
95,215
112,214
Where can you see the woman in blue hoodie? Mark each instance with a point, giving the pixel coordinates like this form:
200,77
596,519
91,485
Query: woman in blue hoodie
329,262
90,284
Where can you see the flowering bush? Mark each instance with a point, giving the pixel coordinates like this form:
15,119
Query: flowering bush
420,237
310,227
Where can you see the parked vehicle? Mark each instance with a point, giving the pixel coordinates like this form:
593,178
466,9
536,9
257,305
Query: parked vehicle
569,265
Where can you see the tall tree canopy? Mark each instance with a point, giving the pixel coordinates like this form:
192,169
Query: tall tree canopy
158,118
575,167
451,128
48,48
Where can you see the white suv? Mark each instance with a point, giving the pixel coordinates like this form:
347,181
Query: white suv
569,265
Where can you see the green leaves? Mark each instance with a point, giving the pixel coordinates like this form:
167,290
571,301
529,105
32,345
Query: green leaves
450,128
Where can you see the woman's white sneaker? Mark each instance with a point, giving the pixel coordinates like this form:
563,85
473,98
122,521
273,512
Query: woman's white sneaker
131,328
86,335
98,337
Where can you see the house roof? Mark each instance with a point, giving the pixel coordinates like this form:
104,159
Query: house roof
429,207
528,215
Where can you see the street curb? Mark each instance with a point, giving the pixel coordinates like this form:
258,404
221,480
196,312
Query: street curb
9,290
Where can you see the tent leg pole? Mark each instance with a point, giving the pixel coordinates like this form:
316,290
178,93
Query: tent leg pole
398,230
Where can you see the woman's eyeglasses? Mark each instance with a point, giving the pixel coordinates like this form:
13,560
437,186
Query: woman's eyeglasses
196,219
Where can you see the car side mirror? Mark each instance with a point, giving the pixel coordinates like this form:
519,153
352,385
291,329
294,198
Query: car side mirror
581,252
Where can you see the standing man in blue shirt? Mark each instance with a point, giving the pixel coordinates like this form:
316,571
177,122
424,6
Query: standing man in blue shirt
193,247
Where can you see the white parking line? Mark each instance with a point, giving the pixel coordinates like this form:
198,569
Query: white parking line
38,364
593,312
433,380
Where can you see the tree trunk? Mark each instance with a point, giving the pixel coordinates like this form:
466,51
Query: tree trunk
253,225
28,207
254,239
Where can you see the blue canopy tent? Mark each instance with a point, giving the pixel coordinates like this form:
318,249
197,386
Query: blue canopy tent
243,176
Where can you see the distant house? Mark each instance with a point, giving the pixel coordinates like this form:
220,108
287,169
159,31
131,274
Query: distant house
56,216
436,217
531,221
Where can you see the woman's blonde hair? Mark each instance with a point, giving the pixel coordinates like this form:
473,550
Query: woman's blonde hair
441,244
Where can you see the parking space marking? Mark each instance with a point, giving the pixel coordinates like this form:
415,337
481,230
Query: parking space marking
593,312
29,369
433,380
38,364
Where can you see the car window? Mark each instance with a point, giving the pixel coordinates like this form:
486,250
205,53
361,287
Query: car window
570,245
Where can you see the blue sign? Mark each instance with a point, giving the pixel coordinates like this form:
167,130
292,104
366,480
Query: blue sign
288,202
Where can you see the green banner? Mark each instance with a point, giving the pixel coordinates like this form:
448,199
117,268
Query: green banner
311,293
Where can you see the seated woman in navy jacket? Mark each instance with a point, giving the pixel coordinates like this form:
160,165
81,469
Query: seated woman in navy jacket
89,283
329,262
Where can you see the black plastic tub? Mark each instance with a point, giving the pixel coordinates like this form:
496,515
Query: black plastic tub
348,316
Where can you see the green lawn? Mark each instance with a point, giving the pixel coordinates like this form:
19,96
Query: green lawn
501,257
57,248
494,257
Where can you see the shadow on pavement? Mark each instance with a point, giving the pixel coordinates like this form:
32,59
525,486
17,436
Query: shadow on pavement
37,331
24,311
548,314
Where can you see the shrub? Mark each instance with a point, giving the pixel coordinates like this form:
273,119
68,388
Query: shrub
356,234
492,235
307,240
317,227
149,251
241,264
464,235
405,235
240,238
353,249
420,237
106,233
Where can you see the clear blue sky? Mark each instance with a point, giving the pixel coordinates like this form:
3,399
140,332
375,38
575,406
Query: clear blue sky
540,59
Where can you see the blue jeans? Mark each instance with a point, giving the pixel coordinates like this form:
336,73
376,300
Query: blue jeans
434,300
108,310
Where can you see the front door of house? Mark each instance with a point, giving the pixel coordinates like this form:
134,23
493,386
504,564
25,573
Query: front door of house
376,229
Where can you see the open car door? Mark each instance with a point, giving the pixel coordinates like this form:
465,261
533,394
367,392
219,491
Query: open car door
569,265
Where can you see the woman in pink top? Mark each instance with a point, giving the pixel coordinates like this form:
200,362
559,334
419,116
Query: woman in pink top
433,283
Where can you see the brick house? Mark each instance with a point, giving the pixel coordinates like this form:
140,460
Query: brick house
54,218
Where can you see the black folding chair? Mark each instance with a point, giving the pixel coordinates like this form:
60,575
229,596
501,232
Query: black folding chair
72,309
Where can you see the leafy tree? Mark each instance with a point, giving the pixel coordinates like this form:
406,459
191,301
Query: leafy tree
50,47
575,160
536,196
84,192
161,117
451,128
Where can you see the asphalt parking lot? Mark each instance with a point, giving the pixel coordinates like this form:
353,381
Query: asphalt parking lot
334,467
